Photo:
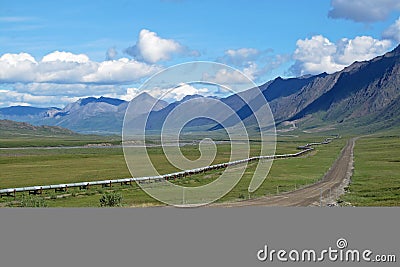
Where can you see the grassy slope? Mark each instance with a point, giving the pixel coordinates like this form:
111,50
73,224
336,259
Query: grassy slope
12,128
19,134
376,179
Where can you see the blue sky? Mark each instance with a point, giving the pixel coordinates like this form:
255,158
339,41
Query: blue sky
55,52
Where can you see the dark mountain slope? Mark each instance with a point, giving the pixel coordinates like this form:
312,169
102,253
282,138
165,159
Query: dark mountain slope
361,89
285,87
276,89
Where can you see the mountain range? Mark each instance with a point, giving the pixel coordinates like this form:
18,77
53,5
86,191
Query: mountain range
364,95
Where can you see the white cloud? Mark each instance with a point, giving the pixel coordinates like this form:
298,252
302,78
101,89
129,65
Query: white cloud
17,67
363,10
393,32
120,71
14,59
65,57
152,48
131,93
242,52
69,68
252,62
185,89
51,94
244,59
231,80
319,54
240,56
178,92
251,70
227,77
359,49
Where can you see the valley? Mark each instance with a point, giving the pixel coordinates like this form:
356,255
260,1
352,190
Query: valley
361,101
28,167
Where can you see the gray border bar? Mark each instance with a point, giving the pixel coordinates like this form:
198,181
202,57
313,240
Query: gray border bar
187,237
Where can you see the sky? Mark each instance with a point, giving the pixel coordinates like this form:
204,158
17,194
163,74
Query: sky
54,52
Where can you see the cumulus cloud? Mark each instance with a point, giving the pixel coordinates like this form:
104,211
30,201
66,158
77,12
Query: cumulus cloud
315,55
120,71
62,56
393,32
17,67
318,54
359,49
363,10
69,68
152,48
61,77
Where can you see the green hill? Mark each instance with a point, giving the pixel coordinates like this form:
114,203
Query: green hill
19,129
21,134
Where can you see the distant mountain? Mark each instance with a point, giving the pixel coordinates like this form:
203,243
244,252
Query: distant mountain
88,115
143,102
276,89
23,111
26,113
101,115
155,120
111,101
88,107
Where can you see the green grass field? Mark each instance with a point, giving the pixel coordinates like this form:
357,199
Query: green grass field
25,167
61,141
376,178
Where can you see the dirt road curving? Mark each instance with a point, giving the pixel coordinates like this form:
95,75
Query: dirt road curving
331,185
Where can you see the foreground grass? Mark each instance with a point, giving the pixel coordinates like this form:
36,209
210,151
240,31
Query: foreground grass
24,167
29,167
376,178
